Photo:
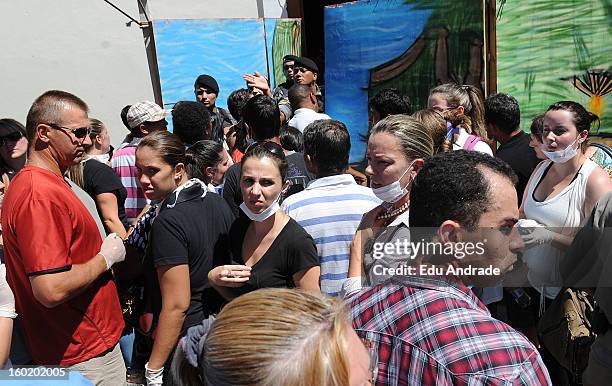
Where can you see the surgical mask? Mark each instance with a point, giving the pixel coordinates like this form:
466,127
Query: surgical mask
393,192
561,156
268,212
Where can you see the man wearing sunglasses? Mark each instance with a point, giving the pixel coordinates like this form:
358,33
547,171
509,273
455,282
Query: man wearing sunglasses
281,92
57,263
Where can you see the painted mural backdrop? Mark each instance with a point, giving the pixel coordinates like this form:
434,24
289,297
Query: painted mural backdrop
407,44
223,48
551,50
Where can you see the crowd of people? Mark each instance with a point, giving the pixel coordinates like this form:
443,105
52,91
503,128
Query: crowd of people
243,249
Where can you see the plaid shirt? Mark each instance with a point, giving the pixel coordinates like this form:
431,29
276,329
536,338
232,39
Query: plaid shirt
433,332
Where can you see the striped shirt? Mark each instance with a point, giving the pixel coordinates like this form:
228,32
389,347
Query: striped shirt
124,164
330,210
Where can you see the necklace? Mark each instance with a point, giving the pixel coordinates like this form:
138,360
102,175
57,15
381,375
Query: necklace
394,212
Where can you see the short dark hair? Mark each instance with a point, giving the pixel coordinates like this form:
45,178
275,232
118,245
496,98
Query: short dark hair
537,127
263,117
297,94
328,143
236,101
291,139
452,186
47,108
502,110
190,121
389,101
201,155
123,115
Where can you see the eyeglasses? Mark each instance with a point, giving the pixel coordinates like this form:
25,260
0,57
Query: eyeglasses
80,132
271,147
12,137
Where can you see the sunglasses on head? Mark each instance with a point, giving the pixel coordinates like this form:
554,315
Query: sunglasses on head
12,137
80,132
271,147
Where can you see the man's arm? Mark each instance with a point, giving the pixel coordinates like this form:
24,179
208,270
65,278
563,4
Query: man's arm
53,289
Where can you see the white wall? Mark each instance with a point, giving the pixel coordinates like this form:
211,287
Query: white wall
86,48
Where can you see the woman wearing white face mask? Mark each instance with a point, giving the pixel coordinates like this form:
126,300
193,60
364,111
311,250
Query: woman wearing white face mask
269,249
560,193
396,149
95,177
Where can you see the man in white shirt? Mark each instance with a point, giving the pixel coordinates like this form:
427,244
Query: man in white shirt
305,108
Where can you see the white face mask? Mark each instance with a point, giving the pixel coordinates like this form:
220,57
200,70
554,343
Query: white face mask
561,156
268,212
393,192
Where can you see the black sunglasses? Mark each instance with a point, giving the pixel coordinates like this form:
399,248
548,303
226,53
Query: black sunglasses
12,137
271,147
80,132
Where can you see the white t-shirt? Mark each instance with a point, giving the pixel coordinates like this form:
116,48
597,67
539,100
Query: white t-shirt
303,117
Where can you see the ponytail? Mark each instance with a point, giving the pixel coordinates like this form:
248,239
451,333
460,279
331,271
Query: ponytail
476,113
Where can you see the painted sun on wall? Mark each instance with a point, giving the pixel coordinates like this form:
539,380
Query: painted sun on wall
551,50
411,45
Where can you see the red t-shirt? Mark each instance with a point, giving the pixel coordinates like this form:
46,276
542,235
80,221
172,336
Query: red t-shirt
46,229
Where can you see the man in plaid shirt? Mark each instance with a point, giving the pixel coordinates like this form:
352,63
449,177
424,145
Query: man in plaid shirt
430,328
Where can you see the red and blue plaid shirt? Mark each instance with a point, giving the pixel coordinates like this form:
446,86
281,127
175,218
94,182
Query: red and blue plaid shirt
433,332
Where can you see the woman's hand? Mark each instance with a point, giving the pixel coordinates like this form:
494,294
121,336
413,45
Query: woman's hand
370,219
229,275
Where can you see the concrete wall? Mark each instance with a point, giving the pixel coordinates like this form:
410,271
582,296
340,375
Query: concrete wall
85,47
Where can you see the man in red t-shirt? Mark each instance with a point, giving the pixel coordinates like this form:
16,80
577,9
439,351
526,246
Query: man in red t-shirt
57,264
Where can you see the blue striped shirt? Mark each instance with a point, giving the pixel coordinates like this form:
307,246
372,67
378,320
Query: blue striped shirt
330,210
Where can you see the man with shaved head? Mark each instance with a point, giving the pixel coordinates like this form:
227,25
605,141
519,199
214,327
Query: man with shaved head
305,109
58,266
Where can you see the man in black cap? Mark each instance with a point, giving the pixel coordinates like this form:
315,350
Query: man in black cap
281,92
206,91
305,71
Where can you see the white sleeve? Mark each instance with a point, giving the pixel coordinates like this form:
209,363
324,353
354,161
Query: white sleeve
482,147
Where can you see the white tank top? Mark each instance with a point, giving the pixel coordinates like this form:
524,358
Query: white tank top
565,212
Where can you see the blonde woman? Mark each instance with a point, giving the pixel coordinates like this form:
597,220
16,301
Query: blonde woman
396,149
276,336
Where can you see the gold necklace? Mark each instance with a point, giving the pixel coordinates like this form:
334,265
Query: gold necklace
394,212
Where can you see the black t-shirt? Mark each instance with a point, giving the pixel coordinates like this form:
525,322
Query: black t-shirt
99,178
194,232
292,251
521,158
297,175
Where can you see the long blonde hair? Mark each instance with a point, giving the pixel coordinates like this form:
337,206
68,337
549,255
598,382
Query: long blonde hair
278,336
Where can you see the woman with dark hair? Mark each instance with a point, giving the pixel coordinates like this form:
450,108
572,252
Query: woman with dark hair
94,176
561,191
269,248
208,161
188,237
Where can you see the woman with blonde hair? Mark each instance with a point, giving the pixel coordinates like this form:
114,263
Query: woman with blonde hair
452,99
396,148
276,336
436,123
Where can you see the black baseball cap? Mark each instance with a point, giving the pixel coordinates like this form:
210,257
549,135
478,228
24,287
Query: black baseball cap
208,82
307,63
